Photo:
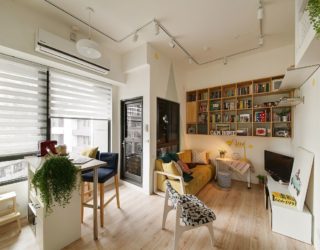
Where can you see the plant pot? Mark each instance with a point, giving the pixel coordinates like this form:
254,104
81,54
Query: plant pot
284,118
222,155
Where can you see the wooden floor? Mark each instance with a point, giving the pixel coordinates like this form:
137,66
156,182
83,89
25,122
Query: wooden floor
242,223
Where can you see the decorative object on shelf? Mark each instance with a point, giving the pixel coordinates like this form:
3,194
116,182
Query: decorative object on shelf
281,132
261,179
56,179
276,83
283,114
261,131
314,13
222,153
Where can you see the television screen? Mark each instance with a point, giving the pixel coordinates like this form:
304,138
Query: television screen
278,166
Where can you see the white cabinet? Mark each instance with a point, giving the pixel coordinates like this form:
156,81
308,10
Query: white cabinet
61,227
288,220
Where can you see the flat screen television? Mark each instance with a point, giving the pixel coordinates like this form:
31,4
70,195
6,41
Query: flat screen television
278,166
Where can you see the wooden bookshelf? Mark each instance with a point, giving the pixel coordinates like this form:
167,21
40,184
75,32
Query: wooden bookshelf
246,108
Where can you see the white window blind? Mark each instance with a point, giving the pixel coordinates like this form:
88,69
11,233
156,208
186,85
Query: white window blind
76,97
23,107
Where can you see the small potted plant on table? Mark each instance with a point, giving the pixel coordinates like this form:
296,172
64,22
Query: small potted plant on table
222,153
283,114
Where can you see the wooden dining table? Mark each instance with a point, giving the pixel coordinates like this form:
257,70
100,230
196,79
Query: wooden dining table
94,165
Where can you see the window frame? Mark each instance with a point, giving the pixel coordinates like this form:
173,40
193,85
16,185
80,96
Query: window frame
48,118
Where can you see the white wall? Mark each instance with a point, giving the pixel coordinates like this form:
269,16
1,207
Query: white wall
246,67
307,134
138,85
18,25
166,81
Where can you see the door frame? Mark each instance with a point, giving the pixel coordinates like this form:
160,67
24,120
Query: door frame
122,153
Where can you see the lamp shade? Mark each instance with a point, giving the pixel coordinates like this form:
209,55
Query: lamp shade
88,48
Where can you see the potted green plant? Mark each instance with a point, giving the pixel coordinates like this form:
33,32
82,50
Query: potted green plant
261,179
313,7
56,179
283,114
222,153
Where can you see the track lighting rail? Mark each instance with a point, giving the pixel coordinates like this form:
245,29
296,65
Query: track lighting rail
172,39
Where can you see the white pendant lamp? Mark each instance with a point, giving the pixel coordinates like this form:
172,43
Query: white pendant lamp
87,47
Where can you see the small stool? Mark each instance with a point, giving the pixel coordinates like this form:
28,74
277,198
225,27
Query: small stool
224,179
10,214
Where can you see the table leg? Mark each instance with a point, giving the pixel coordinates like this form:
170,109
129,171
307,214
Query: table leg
249,178
217,169
95,203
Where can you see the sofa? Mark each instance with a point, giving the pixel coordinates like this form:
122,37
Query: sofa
202,174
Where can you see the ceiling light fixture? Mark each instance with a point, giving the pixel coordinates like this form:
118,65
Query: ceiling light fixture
172,43
135,37
87,47
156,28
260,11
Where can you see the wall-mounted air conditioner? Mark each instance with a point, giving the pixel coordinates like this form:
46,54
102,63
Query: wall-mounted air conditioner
53,45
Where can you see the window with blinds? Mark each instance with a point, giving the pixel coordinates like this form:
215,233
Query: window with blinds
75,97
80,112
23,107
23,114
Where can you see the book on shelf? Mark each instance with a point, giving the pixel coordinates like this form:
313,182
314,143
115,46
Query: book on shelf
284,198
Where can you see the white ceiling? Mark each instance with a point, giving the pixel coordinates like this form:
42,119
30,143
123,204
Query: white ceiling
224,26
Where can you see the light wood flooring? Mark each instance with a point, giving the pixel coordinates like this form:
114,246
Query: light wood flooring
242,223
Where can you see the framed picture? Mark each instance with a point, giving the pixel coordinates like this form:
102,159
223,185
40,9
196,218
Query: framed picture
276,83
244,117
261,131
222,127
300,175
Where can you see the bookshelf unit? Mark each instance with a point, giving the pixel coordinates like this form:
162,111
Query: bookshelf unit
246,108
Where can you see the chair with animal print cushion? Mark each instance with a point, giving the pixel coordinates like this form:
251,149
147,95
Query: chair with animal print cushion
191,213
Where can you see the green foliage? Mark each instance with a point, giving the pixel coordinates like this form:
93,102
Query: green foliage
56,179
314,12
261,178
283,112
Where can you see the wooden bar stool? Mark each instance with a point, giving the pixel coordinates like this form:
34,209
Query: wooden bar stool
104,174
10,214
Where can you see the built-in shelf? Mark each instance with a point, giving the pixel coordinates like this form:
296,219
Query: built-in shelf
296,77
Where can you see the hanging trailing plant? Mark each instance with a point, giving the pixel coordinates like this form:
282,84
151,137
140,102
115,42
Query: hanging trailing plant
56,179
314,12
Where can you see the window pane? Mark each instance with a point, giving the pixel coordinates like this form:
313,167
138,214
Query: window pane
13,170
22,107
79,134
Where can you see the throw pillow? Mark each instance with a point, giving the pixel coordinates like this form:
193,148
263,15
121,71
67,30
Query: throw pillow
178,168
199,157
184,167
187,177
170,168
90,152
168,157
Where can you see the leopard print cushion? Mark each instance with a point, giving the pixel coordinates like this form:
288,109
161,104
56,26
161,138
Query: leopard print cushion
194,211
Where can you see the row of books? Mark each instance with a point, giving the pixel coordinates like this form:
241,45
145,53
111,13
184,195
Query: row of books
244,104
262,116
203,96
246,90
262,87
